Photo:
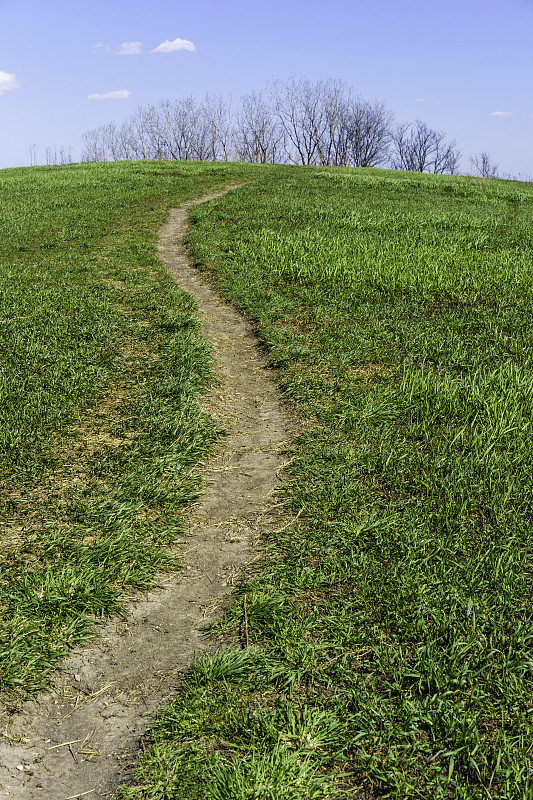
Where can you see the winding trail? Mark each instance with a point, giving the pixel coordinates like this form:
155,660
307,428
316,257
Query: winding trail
83,736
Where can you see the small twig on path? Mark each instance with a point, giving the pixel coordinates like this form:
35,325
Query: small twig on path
245,623
64,744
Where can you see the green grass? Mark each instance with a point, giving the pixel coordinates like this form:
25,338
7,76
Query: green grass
101,367
390,626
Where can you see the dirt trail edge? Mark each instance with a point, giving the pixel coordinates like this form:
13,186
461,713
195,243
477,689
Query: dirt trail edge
83,736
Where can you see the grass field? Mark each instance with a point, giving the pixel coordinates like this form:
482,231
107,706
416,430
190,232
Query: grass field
100,367
390,626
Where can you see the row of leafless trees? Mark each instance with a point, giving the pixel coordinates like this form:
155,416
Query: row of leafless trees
296,122
53,155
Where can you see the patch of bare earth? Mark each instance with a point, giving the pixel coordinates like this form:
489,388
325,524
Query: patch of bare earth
83,736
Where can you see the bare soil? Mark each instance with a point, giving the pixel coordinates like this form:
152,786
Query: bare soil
83,736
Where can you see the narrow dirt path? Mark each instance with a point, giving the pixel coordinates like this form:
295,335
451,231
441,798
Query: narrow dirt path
83,736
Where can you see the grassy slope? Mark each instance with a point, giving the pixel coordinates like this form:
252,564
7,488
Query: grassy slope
390,627
100,370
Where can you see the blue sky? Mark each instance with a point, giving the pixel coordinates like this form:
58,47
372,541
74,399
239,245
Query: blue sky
462,66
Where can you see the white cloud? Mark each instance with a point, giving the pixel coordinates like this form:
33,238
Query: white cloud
170,47
8,82
110,95
421,99
129,49
502,114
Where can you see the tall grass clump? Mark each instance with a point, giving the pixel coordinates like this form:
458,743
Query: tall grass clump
390,627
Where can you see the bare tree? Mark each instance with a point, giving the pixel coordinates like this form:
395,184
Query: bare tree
199,134
58,156
484,166
107,143
370,135
217,122
419,148
300,108
188,132
312,118
325,124
331,123
93,149
183,128
121,142
333,138
155,133
137,135
257,133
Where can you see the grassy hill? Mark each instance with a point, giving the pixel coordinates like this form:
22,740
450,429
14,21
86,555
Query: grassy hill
390,626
